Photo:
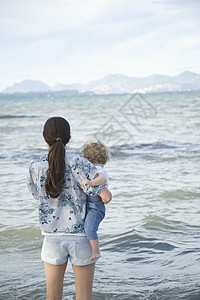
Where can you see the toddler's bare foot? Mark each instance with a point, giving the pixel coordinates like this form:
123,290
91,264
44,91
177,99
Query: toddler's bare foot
95,256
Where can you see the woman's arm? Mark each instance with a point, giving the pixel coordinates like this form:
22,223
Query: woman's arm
101,179
105,195
32,181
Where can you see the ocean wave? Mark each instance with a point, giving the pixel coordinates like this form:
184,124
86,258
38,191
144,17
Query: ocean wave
160,223
179,194
154,145
22,156
133,240
160,151
25,238
17,116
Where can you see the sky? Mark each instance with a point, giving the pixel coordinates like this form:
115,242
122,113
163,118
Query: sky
68,41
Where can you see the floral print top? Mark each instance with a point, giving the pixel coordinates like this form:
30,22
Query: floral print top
65,214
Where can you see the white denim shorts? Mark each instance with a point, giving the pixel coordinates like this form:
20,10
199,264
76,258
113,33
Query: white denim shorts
56,250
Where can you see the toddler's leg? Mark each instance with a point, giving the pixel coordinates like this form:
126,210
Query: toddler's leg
95,249
92,221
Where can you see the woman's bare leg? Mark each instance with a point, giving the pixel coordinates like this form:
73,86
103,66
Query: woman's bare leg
54,280
84,280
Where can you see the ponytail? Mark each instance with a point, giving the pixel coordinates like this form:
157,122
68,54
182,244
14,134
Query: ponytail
56,133
56,171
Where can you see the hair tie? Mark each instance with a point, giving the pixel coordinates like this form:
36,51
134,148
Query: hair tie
58,139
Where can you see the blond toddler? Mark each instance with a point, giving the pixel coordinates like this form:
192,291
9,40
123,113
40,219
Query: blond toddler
98,154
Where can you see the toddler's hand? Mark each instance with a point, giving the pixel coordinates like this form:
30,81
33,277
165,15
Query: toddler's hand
86,182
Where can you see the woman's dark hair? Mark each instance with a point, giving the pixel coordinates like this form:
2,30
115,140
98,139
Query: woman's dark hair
56,133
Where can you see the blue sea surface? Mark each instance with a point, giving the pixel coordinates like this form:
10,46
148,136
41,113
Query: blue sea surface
150,237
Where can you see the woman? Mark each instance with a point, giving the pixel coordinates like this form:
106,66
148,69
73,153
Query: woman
55,180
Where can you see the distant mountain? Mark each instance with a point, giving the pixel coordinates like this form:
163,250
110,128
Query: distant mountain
27,86
186,76
118,84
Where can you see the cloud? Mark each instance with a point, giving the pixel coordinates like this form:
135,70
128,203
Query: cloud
80,40
42,18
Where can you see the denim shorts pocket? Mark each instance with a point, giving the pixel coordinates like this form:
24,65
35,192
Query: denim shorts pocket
51,251
83,250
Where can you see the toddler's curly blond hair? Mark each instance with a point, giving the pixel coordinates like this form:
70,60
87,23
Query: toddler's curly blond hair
96,152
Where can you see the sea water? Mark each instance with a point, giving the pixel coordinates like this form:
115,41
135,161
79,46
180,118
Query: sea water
150,237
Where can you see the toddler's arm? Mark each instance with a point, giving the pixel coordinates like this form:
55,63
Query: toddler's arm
101,179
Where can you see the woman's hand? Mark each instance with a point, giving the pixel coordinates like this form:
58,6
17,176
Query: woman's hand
105,195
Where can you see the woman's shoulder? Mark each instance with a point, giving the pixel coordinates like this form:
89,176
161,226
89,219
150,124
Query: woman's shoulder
77,161
42,160
74,158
